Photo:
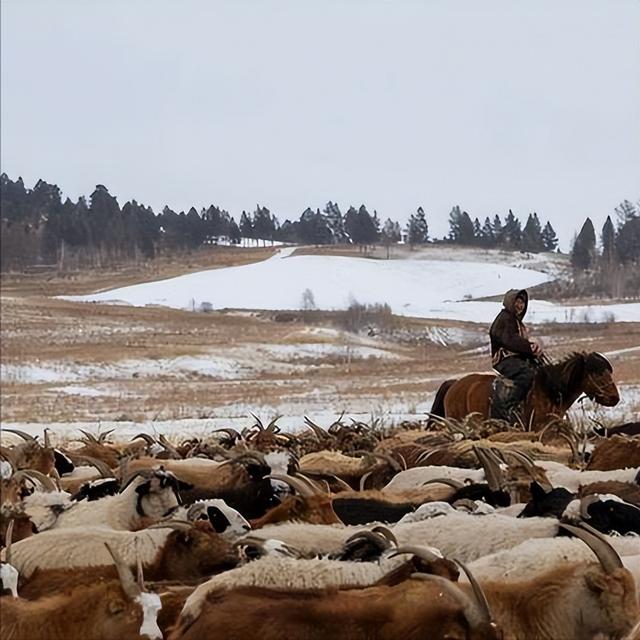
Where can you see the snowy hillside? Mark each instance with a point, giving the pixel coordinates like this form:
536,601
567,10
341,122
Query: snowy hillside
414,286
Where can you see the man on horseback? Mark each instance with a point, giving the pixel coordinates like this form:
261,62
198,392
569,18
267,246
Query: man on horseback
513,355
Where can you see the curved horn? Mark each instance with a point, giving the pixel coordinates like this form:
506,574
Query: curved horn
480,597
606,554
103,436
340,482
33,475
492,471
103,468
7,541
303,489
127,580
320,433
387,533
585,503
522,458
258,422
313,484
22,434
10,456
376,538
273,427
422,552
232,433
472,610
179,525
89,436
168,446
363,480
451,482
146,437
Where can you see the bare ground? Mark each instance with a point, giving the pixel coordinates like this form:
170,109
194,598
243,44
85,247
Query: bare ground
65,361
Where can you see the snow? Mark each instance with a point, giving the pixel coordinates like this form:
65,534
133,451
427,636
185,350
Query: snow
415,286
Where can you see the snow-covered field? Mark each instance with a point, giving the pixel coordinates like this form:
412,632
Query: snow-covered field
417,287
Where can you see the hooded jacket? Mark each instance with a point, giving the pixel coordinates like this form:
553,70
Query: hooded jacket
509,336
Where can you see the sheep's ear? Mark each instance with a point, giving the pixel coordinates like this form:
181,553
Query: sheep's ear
537,492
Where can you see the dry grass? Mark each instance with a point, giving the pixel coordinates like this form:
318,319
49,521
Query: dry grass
269,363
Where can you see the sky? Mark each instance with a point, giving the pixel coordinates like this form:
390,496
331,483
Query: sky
492,105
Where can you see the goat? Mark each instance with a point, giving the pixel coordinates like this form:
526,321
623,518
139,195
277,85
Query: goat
102,610
413,609
616,452
224,520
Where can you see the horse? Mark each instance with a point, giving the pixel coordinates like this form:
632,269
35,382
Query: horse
555,388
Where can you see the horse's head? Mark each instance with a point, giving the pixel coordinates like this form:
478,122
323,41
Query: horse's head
598,380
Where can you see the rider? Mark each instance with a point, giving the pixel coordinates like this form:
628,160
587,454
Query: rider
513,353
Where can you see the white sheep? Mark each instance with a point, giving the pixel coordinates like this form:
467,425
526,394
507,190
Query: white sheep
85,547
535,557
293,574
227,522
416,477
572,479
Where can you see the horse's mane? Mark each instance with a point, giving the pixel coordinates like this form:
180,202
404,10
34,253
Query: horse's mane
560,379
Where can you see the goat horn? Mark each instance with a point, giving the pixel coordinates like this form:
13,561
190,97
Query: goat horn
492,471
179,525
303,489
89,436
319,431
129,586
103,436
7,541
386,532
315,487
258,422
422,552
340,482
479,594
233,433
606,554
33,475
525,460
273,427
472,609
451,482
377,538
146,437
22,434
47,438
363,480
102,467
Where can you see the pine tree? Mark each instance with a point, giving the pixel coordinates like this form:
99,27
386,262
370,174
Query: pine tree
455,216
246,226
625,211
487,239
532,235
335,222
390,234
418,229
628,241
498,231
512,232
477,232
549,238
608,242
583,254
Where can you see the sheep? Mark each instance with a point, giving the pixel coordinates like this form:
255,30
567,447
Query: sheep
534,557
116,609
464,536
152,495
414,478
224,520
571,479
170,551
285,574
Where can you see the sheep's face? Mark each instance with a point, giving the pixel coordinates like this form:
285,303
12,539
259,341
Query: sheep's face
615,609
224,520
159,496
118,617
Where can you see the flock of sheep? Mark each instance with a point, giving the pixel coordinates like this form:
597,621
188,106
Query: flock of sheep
454,530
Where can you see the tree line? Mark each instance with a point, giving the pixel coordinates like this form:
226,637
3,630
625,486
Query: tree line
612,265
39,227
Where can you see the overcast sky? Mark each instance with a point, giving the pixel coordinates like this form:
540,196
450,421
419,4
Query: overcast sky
492,104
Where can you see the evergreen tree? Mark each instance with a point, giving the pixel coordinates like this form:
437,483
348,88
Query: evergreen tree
477,232
583,254
532,235
335,222
625,211
390,234
498,231
628,241
549,238
512,232
418,229
608,242
264,226
487,239
246,226
455,217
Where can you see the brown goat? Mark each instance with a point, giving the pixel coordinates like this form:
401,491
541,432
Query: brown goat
433,608
616,452
624,490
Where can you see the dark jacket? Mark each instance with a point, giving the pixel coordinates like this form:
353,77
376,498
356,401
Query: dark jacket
508,333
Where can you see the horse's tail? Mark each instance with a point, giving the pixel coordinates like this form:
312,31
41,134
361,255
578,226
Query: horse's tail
437,408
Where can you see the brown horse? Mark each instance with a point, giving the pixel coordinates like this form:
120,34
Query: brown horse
555,388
